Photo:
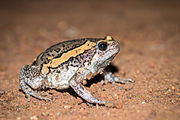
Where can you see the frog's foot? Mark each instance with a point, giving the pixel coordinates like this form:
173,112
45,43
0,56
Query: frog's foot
86,95
109,77
41,95
113,79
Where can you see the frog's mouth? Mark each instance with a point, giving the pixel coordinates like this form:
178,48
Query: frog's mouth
113,55
111,58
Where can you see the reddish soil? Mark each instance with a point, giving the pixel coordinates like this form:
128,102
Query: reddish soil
149,33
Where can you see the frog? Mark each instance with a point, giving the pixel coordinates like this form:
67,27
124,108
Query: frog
69,63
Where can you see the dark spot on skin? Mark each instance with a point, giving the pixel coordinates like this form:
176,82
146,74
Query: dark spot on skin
57,50
66,67
71,58
73,46
78,58
62,67
48,54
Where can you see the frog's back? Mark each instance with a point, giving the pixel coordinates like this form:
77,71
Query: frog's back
57,50
60,53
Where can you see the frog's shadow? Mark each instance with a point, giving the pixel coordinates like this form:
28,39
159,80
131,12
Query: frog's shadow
96,79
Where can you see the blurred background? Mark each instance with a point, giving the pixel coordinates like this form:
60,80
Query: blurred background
149,36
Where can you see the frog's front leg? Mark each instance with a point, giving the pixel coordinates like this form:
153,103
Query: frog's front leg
75,83
109,77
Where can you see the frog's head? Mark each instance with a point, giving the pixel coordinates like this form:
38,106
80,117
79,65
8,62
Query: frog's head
106,49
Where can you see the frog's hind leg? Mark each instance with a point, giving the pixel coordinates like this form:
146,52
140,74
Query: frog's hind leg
30,92
30,82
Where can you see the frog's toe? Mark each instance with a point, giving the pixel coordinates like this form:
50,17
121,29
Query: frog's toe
40,95
28,97
125,81
44,94
130,80
46,98
104,82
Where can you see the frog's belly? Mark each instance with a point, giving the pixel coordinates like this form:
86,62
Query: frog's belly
61,80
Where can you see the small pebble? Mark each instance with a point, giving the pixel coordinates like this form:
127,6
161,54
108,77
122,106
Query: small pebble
2,92
18,118
47,113
118,105
110,105
58,114
143,102
18,107
33,118
173,88
120,88
67,107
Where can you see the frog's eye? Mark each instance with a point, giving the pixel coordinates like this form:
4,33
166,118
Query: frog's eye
102,46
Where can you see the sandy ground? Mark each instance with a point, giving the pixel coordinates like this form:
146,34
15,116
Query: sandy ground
149,34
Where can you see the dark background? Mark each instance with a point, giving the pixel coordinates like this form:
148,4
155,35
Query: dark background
149,35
